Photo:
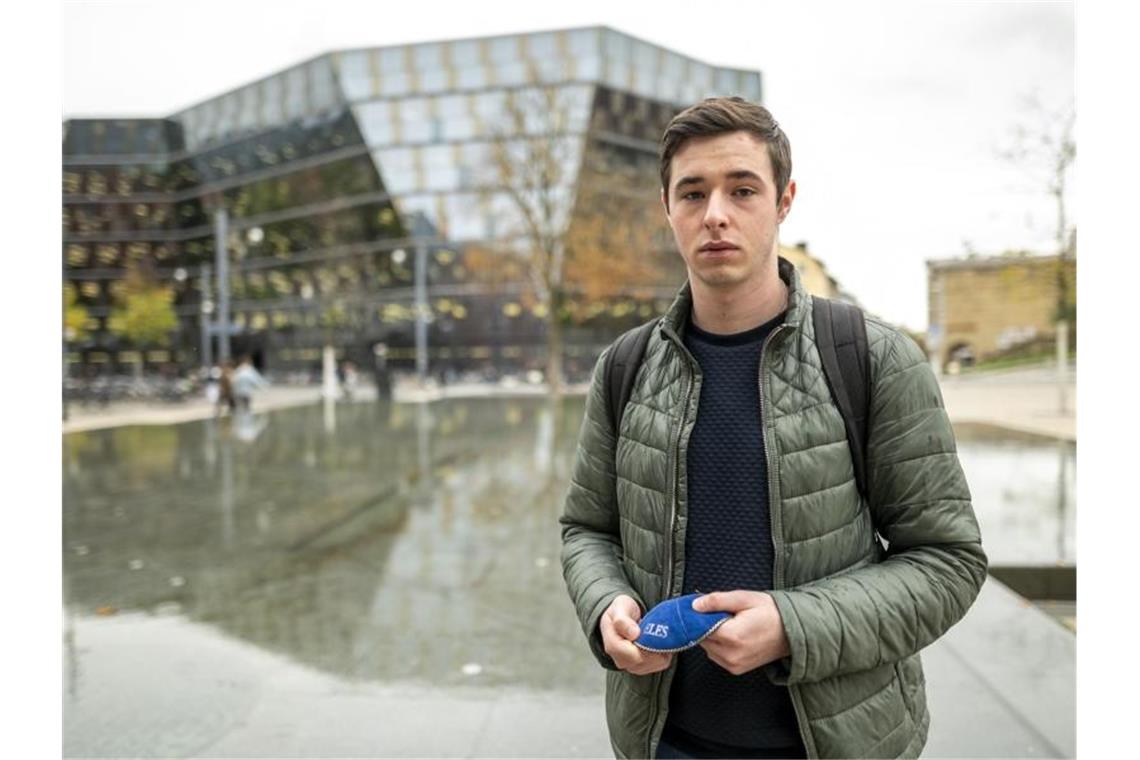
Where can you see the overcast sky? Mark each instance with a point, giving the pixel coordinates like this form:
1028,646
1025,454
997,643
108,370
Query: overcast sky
896,111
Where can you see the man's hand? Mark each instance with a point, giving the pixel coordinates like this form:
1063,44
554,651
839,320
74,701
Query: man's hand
619,628
752,637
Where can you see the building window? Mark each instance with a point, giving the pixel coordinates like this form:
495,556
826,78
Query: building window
504,49
542,46
77,255
465,53
394,83
436,80
583,43
472,77
356,74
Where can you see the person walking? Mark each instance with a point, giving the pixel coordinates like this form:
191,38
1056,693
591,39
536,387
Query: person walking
246,380
730,474
226,399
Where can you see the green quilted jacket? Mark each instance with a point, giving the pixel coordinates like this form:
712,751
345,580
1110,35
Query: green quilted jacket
856,612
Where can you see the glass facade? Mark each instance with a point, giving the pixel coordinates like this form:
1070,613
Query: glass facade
326,168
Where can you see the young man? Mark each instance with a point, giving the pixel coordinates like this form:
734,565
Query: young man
731,475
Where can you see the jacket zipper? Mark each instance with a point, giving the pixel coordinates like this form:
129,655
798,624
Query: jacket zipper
777,521
668,589
676,483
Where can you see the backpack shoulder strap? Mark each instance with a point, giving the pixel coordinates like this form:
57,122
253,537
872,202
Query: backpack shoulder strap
841,337
621,369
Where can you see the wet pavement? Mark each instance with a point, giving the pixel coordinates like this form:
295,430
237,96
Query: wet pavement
378,579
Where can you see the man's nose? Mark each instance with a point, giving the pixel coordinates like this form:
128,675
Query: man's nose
716,212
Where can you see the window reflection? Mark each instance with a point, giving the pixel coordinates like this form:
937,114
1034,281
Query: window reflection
465,53
76,255
394,83
392,60
510,74
542,46
428,57
322,84
472,77
272,105
295,93
324,219
356,74
503,49
435,80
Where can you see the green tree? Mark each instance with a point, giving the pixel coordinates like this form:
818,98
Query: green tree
75,316
145,313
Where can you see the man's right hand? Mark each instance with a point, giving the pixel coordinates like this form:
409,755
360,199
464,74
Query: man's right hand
619,628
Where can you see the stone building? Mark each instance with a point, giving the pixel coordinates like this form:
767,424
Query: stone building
985,307
813,272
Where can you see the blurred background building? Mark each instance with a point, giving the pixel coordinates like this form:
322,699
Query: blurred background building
340,176
984,308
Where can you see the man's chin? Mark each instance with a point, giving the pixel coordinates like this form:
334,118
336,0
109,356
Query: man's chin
720,277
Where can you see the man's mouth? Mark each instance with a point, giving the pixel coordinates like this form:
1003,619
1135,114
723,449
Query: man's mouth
717,247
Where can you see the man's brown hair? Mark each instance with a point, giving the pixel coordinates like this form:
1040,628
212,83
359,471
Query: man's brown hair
716,116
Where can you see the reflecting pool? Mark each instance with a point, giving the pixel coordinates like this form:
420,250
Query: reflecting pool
375,543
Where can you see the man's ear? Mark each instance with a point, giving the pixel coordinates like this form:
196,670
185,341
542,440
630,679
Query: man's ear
665,202
785,204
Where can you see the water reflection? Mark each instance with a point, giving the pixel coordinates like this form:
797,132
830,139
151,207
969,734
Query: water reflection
386,542
400,542
1024,492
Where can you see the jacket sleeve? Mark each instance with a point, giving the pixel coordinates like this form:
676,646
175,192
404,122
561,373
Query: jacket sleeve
591,536
920,503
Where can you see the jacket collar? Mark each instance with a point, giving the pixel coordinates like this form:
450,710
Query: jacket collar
799,301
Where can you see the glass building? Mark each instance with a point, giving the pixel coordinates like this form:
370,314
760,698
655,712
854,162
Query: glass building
333,173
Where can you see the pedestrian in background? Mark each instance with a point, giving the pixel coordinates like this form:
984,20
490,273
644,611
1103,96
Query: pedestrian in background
246,380
225,397
349,378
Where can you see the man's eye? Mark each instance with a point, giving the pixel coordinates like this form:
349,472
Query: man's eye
745,191
694,195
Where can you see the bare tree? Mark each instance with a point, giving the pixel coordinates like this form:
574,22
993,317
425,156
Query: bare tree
1045,146
578,228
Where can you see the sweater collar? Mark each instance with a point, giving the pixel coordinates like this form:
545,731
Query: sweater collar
799,300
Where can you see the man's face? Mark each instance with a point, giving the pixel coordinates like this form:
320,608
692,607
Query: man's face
723,210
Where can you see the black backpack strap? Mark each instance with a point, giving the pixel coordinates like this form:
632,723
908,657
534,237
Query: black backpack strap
621,368
841,337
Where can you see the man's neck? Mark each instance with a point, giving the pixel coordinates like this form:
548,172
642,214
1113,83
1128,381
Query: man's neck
724,311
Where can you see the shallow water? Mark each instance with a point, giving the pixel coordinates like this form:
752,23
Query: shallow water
387,543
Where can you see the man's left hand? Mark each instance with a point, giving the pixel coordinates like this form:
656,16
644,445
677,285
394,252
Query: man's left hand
752,637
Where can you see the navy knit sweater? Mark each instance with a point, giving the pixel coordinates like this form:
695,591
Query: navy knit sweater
728,545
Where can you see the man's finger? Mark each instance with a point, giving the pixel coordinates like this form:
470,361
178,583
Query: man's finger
725,601
650,662
626,628
625,654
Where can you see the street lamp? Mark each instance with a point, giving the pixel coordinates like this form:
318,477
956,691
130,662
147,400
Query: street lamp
222,264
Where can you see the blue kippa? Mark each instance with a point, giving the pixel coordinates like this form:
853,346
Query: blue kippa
674,625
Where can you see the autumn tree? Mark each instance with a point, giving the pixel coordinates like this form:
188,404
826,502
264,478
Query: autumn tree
75,316
580,225
144,314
